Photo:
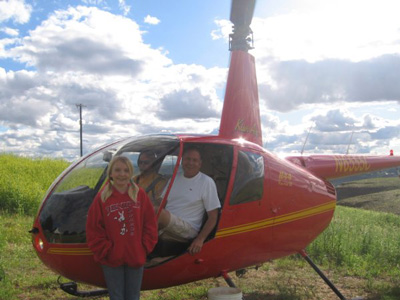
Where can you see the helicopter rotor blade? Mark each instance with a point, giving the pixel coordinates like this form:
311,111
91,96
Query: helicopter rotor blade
242,12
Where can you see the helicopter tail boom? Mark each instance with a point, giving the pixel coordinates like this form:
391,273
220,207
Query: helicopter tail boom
337,166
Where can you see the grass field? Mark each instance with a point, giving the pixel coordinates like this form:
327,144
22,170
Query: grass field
360,265
358,251
377,194
24,181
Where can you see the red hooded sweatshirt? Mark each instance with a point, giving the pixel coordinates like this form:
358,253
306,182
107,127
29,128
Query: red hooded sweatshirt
120,231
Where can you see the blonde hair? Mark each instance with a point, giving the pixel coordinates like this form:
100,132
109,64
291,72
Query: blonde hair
133,188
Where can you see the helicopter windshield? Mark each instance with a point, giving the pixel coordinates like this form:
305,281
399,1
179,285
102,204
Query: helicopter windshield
64,211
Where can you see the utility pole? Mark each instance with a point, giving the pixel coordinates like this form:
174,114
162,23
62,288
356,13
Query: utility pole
80,123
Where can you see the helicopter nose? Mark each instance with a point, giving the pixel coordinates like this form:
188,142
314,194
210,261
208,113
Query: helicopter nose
37,240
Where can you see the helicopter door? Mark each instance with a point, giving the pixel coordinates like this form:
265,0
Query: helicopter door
216,163
247,210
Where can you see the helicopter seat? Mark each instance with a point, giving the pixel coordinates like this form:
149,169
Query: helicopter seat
165,248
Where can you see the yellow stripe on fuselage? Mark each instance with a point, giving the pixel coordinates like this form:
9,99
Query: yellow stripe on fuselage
278,220
70,251
275,221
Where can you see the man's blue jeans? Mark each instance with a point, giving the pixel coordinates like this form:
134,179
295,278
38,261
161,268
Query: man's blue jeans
123,282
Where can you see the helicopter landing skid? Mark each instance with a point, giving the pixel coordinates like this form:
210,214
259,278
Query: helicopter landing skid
72,289
322,275
228,279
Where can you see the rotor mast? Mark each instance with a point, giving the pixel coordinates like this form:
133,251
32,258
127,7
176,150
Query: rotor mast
241,16
240,117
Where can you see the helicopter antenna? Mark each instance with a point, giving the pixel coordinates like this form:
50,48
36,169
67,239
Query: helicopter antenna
348,146
304,144
241,16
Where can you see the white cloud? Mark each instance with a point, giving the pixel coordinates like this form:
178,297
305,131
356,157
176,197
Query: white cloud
223,31
88,56
351,30
93,2
77,57
16,10
335,130
82,39
151,20
125,8
291,84
10,31
187,104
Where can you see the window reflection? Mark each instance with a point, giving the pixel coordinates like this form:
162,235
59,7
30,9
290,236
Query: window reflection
249,179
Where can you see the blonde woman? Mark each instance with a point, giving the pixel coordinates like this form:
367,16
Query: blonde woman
121,230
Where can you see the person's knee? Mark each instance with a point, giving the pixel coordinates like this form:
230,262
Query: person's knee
164,219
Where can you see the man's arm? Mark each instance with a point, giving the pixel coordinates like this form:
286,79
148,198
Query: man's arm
198,242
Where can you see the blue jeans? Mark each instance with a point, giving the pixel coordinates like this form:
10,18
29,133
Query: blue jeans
123,282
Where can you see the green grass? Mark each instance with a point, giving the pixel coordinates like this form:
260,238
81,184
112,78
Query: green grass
376,183
80,176
376,194
374,201
358,251
24,181
345,251
361,243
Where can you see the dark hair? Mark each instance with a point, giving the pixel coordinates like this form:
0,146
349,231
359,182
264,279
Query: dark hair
192,148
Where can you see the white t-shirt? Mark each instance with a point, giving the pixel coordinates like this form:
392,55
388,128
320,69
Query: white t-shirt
190,198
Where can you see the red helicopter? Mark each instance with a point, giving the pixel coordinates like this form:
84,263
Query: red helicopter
270,207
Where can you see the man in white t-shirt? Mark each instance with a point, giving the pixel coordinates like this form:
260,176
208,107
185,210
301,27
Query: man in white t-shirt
192,194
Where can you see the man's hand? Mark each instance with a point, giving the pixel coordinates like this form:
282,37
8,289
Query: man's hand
198,242
196,246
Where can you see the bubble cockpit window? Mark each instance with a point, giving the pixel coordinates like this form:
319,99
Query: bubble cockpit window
64,212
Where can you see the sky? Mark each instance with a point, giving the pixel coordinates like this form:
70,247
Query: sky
328,73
